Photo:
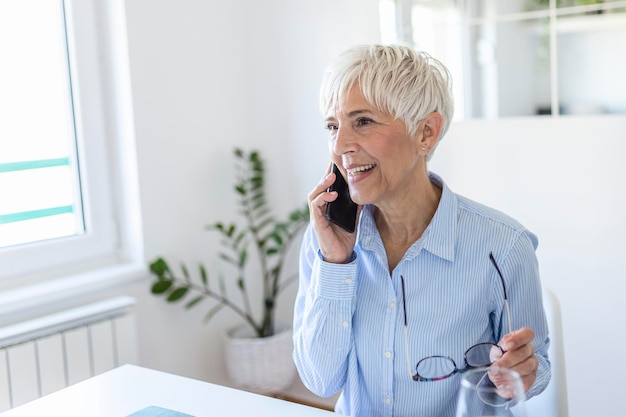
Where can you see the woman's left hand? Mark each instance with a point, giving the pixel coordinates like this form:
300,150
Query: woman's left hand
520,355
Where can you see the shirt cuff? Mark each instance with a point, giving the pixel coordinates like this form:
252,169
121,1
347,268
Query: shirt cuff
335,281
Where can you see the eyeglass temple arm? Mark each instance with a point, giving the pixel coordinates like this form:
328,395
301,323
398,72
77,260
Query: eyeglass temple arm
506,298
406,330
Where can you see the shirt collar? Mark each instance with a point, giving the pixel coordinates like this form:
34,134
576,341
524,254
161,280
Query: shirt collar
440,235
439,238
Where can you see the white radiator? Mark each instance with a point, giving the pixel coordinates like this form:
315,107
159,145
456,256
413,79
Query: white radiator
42,355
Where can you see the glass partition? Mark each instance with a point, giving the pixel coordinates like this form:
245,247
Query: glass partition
524,57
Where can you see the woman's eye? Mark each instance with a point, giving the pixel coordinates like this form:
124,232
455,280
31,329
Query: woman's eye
331,127
361,121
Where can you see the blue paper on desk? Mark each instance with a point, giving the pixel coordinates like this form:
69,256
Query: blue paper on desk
154,411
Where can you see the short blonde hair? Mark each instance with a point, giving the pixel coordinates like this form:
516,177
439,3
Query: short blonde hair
395,79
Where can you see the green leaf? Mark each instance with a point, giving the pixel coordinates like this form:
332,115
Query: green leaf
256,183
258,195
194,301
281,228
258,203
228,259
212,312
159,267
276,237
183,268
243,257
216,226
177,294
264,223
203,275
257,165
241,284
240,190
239,237
161,286
271,251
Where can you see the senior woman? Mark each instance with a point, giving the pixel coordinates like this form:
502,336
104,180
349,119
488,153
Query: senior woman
391,314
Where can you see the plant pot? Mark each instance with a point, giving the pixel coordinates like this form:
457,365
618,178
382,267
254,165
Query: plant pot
262,365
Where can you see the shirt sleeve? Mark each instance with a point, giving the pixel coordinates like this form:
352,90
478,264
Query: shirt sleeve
322,326
520,265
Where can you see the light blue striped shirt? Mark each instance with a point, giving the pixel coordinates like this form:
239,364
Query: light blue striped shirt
348,318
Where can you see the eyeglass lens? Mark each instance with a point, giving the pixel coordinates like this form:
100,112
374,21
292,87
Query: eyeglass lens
437,367
483,354
493,396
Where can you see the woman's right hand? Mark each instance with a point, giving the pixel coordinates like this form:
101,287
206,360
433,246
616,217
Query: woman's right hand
336,244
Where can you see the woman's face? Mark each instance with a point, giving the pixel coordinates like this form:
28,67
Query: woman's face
373,148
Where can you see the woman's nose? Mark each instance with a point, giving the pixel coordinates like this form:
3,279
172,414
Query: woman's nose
344,141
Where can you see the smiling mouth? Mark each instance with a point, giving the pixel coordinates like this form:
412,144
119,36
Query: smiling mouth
358,170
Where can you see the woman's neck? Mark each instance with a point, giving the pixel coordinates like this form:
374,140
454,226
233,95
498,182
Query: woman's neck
401,222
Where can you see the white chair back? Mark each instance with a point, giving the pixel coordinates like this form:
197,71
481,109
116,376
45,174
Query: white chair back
553,401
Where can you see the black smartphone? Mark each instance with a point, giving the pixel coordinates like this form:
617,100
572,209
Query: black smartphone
342,211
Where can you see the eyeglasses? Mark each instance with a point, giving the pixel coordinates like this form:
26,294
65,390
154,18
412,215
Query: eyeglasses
436,368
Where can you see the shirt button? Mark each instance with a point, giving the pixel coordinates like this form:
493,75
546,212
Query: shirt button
387,400
392,304
348,281
388,354
345,324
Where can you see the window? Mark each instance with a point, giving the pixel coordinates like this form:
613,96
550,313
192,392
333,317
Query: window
39,176
522,57
64,111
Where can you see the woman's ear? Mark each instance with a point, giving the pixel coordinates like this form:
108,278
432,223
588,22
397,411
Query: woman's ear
432,127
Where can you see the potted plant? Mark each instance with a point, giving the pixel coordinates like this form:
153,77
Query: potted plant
261,235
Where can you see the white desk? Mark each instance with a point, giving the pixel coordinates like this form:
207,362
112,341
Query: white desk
129,388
